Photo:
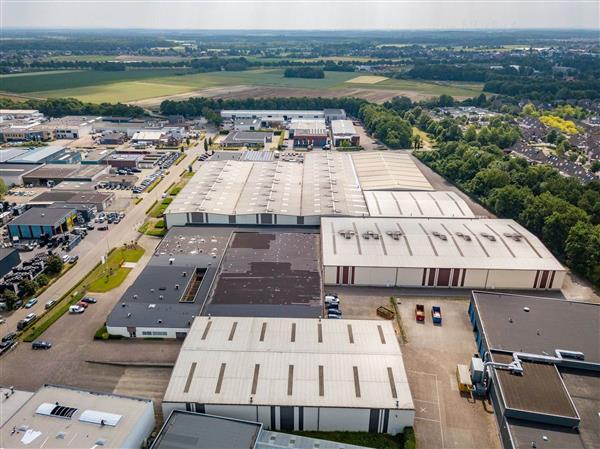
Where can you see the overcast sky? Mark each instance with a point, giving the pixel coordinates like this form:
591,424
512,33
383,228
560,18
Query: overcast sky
301,14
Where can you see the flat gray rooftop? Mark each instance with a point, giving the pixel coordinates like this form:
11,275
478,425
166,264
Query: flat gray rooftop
549,324
185,430
269,273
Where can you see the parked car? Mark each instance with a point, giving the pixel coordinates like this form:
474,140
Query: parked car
73,259
83,304
420,312
49,304
89,300
333,316
6,345
26,321
76,309
332,299
9,337
334,312
32,302
103,227
90,227
41,344
436,314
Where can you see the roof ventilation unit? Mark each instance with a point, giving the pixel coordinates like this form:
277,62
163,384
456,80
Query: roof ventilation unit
439,235
490,237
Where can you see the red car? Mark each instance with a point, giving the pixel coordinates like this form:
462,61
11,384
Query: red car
420,312
83,304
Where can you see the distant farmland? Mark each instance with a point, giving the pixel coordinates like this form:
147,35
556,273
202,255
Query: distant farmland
143,84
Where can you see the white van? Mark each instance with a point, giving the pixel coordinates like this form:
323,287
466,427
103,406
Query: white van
76,309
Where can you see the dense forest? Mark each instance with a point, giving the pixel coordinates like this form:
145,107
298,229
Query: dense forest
304,72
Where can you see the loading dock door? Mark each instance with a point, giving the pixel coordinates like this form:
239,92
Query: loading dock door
374,421
286,416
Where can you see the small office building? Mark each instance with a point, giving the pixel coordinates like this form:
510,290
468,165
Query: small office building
344,133
56,417
294,374
39,221
246,139
307,133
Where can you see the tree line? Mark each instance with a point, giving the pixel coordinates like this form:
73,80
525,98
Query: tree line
59,107
304,72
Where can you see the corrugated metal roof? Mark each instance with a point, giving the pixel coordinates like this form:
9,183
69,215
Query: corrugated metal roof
383,203
435,242
226,370
388,170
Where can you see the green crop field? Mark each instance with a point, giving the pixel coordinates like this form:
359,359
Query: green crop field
141,84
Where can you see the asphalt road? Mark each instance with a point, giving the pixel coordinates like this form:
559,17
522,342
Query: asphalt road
125,231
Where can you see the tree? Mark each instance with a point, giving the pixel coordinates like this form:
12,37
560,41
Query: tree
582,249
54,264
488,179
417,141
470,134
595,167
205,145
42,280
558,225
28,287
10,297
509,201
3,188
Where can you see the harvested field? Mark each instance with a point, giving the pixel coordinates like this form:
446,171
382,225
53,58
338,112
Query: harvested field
367,79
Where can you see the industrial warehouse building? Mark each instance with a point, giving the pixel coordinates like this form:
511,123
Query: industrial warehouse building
172,288
221,271
553,402
307,133
12,174
270,118
294,374
390,203
344,131
246,139
436,252
57,417
279,192
39,221
56,173
9,258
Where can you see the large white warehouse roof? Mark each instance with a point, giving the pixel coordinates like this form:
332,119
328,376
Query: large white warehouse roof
324,184
286,361
391,203
387,170
433,243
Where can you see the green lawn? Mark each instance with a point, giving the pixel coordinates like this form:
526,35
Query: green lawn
373,440
109,275
159,208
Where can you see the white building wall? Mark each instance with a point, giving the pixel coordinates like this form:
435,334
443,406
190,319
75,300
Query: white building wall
245,219
168,407
559,279
348,419
399,419
510,279
179,219
142,430
218,219
247,412
379,277
409,277
287,219
263,415
329,275
311,418
139,331
475,278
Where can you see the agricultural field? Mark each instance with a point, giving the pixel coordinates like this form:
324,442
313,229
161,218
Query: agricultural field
143,84
367,79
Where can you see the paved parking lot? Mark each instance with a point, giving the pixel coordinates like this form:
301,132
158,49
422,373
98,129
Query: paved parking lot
139,368
445,418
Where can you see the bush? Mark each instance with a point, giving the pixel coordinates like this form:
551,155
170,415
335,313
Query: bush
409,438
160,224
42,280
